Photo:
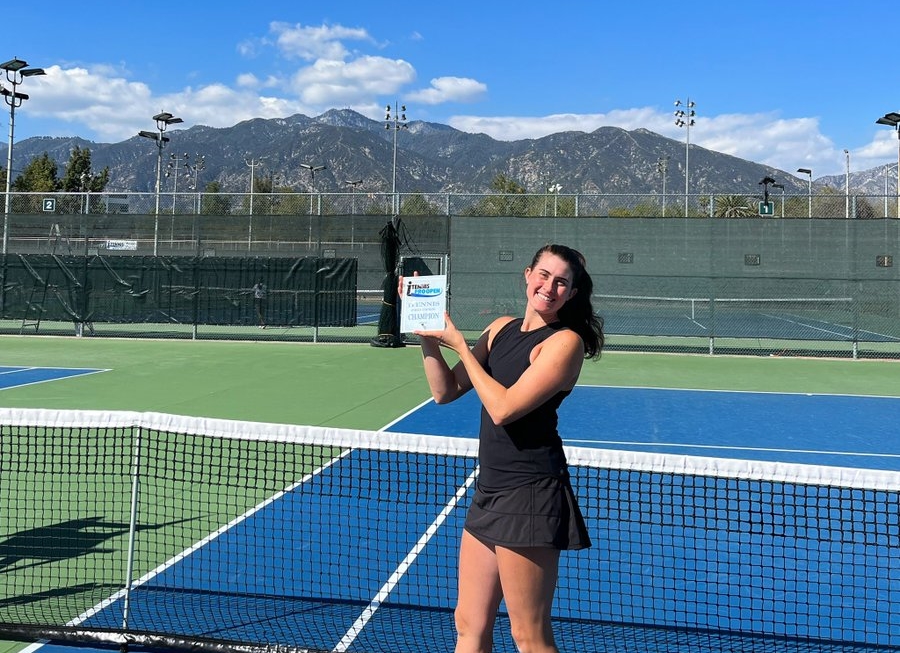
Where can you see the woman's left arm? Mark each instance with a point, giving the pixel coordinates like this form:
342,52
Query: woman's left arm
555,365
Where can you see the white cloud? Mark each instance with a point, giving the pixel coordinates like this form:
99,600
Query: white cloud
312,43
248,80
329,83
449,89
103,99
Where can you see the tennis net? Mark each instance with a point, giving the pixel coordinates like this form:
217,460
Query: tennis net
161,530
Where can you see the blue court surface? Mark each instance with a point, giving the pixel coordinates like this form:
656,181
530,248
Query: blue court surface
841,430
11,377
666,556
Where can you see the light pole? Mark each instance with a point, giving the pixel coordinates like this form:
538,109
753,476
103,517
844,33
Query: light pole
554,189
252,164
781,186
887,169
195,167
662,166
893,120
808,173
765,184
172,171
163,120
685,118
847,186
398,122
85,189
16,71
313,169
353,184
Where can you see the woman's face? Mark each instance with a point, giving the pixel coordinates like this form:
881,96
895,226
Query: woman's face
548,285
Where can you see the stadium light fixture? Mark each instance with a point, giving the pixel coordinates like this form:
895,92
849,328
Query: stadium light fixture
353,184
313,169
685,118
163,120
16,70
554,190
397,121
808,173
892,119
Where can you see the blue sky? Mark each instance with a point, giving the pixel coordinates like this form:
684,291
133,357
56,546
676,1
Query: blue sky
787,84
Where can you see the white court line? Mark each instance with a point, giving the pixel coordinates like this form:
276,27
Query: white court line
180,556
676,445
17,370
86,372
385,590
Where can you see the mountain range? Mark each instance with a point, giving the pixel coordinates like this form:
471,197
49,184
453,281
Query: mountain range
430,158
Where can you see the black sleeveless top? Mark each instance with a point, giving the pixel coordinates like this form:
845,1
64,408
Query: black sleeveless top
529,448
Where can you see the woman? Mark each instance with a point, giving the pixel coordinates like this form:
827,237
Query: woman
524,511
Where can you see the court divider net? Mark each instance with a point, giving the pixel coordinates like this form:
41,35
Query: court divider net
205,534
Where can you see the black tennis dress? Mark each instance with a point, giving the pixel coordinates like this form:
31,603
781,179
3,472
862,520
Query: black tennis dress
523,497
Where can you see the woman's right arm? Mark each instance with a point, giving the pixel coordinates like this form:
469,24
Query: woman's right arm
448,383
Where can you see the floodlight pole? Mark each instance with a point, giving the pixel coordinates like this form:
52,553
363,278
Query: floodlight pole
252,164
808,173
892,119
685,118
847,186
780,186
662,165
16,72
555,188
163,120
398,122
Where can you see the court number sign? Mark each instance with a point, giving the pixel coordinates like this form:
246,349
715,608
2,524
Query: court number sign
49,204
767,208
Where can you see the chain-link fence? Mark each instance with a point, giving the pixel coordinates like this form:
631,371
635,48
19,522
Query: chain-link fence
826,204
746,285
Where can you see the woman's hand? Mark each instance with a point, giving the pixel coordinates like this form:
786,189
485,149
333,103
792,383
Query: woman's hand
449,336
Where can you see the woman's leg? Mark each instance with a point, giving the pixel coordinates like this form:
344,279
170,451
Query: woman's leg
528,578
479,596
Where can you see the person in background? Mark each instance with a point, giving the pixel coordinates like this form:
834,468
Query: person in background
524,512
259,302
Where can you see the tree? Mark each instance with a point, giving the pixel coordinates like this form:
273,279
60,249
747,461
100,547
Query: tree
213,202
732,206
79,176
39,176
418,204
509,199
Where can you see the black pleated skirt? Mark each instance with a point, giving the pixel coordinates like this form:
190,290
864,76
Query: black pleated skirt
541,514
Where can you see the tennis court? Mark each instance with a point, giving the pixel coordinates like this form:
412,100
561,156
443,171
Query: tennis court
682,450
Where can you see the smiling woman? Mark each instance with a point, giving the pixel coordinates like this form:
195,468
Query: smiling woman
524,511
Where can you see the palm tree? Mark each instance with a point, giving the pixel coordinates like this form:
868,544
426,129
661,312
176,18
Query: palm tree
733,206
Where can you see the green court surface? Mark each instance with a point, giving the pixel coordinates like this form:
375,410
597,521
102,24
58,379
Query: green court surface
357,386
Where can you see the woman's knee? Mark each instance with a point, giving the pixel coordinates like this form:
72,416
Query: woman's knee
474,627
532,637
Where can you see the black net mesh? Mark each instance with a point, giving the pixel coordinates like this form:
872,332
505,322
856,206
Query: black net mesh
250,536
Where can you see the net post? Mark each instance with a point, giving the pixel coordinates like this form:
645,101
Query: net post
132,528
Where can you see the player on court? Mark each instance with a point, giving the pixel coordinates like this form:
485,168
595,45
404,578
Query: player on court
524,511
